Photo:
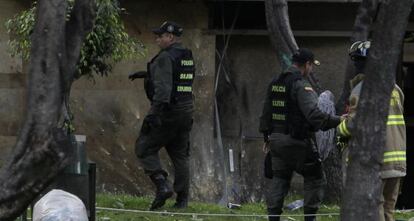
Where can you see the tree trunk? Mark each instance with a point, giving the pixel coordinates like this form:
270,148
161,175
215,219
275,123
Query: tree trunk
362,190
42,149
333,169
366,15
280,33
333,165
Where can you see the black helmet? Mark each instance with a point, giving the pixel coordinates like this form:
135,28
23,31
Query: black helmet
359,50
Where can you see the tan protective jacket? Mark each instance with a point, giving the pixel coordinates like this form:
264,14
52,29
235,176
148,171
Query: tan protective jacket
394,164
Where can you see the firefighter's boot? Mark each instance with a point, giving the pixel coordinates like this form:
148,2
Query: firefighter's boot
310,213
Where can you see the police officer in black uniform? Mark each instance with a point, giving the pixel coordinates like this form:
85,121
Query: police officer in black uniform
288,122
168,84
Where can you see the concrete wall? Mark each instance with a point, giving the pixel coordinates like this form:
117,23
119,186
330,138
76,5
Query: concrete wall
109,110
12,83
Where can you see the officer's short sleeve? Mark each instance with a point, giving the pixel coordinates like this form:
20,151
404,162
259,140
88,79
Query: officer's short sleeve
307,100
266,117
162,78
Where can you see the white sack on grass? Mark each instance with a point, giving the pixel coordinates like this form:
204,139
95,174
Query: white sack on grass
58,205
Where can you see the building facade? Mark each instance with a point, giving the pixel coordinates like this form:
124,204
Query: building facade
234,61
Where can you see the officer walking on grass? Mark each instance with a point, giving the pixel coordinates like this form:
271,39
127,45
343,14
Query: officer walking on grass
290,118
168,84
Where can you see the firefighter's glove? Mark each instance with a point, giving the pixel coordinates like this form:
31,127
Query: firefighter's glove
266,135
139,74
266,144
341,142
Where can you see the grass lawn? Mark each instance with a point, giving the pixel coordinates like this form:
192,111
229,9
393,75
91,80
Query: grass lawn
126,202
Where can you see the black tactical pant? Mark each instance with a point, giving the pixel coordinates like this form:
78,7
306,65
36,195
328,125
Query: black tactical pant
173,134
289,155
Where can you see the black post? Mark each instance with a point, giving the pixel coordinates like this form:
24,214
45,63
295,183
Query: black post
92,190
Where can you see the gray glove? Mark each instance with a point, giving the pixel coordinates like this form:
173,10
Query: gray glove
139,74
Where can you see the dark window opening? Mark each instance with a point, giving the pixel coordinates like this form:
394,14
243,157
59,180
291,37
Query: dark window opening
406,199
303,15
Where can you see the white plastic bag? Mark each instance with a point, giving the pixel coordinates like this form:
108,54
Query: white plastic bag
58,205
325,140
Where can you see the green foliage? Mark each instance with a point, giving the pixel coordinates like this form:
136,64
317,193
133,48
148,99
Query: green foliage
106,44
126,202
19,28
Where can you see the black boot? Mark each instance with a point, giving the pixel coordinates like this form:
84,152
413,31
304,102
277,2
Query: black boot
309,212
310,218
164,191
274,211
181,201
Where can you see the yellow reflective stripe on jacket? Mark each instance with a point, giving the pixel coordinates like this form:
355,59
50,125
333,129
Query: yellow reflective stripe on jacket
396,120
394,153
394,159
397,116
343,129
394,156
389,123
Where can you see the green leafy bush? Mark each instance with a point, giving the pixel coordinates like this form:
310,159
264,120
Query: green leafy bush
19,28
106,44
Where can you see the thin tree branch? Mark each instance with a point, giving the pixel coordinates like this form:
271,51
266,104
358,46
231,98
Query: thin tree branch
80,24
366,14
281,35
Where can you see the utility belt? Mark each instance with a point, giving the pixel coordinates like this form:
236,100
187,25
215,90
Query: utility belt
178,109
300,134
182,99
181,103
176,114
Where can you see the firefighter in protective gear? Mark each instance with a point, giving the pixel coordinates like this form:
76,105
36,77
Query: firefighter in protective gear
169,87
288,122
394,163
